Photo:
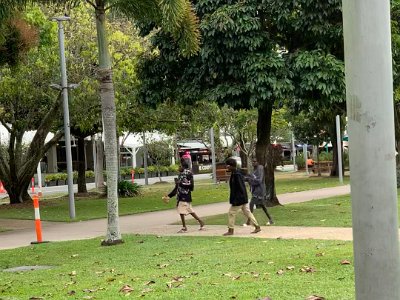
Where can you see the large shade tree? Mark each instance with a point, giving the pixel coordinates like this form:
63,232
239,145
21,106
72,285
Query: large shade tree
27,105
175,17
239,65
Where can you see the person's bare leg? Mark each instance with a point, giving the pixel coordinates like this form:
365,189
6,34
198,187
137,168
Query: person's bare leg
198,220
184,228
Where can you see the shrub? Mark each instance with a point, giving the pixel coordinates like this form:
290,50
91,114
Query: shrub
326,156
139,170
128,189
173,168
151,169
300,162
89,174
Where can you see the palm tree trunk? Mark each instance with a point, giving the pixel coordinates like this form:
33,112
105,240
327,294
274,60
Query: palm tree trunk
109,127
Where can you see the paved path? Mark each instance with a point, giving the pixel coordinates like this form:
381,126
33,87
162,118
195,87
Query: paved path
155,223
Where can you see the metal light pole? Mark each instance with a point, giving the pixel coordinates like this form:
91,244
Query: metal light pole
369,96
146,174
214,167
293,153
339,148
67,134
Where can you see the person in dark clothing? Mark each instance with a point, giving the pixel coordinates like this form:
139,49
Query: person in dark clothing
184,186
238,198
258,191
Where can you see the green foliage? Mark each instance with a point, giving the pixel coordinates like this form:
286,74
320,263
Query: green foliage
89,174
326,156
300,161
128,189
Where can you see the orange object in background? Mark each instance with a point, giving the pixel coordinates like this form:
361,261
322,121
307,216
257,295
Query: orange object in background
310,162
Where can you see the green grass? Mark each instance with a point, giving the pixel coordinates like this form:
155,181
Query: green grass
329,212
181,268
150,200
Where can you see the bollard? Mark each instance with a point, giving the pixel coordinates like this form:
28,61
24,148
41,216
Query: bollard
33,185
133,176
38,226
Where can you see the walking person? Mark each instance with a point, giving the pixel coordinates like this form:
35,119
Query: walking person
184,186
258,190
238,198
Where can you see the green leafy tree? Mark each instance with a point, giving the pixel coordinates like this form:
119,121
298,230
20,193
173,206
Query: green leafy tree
175,17
27,103
160,153
238,65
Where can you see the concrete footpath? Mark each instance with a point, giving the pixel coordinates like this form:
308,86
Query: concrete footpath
22,232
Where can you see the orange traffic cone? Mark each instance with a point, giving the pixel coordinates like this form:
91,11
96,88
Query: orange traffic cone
38,225
2,190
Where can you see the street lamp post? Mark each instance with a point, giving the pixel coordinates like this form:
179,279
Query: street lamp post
67,134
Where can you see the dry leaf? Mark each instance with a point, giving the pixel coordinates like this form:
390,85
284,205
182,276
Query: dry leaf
315,297
307,269
236,277
73,273
280,272
266,298
320,254
290,268
89,290
177,279
74,255
71,293
150,282
88,297
345,262
126,289
163,266
35,298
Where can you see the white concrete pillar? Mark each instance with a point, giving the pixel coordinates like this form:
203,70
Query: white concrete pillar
369,93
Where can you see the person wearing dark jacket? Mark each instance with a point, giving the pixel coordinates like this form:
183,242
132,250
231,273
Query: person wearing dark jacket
238,198
258,191
184,186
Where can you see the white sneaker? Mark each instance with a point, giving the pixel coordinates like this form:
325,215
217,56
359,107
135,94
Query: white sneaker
245,225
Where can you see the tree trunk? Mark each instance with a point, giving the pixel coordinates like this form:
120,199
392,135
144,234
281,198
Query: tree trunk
81,166
243,157
335,163
109,126
99,163
264,153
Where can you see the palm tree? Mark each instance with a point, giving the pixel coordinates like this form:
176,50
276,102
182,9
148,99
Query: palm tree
173,16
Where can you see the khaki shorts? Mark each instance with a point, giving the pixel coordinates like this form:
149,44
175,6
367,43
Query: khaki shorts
184,208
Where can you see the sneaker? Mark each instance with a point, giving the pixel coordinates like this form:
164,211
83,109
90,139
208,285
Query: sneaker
270,222
244,225
256,230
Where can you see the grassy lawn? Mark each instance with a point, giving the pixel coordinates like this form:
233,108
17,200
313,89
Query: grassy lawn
181,268
329,212
150,200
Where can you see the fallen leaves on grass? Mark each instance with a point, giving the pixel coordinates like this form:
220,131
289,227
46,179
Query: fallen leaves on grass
280,272
150,282
320,254
162,266
71,293
345,262
73,273
307,269
126,289
290,268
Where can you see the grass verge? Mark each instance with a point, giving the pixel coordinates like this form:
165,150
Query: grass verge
329,212
150,200
181,268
